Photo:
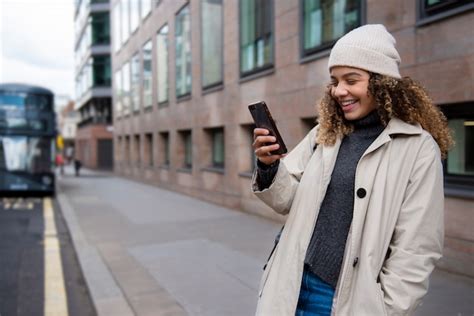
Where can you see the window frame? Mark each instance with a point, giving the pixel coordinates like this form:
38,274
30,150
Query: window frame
213,132
266,69
213,86
438,13
324,49
187,94
163,103
458,185
165,148
149,43
183,135
135,90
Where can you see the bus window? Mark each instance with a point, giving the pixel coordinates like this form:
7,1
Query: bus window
12,101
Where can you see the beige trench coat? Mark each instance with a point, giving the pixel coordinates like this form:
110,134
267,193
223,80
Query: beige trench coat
396,234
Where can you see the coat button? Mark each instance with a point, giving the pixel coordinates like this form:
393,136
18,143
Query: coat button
361,193
356,259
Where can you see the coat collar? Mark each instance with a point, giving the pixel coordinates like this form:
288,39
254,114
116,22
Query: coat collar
397,126
394,127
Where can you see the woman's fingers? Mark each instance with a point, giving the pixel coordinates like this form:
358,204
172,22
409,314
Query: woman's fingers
263,145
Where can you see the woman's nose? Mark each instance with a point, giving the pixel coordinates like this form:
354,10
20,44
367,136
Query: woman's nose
339,90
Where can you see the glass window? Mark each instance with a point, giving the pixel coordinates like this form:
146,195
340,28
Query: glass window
324,21
459,165
127,150
118,93
101,71
125,6
100,28
145,8
126,89
256,35
461,156
117,40
442,8
187,141
218,153
134,14
149,150
211,34
183,52
165,141
147,75
135,83
137,151
162,63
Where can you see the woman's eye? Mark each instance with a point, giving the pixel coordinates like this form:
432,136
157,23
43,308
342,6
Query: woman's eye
351,82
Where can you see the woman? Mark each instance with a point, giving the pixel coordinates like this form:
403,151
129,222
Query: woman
363,191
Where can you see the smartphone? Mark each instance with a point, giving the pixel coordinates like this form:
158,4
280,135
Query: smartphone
263,119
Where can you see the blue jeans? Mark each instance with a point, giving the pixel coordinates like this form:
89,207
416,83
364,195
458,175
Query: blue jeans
315,296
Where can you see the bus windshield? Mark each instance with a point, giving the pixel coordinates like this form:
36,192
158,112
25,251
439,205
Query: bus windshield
12,101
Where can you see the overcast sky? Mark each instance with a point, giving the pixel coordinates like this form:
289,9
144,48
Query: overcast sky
37,43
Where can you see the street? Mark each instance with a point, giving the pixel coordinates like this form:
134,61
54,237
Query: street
39,271
148,251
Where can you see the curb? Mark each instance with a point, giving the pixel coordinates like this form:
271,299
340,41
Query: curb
106,295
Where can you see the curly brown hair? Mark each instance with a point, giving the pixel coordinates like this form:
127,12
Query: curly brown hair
403,98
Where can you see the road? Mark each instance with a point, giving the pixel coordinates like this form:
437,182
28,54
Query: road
39,272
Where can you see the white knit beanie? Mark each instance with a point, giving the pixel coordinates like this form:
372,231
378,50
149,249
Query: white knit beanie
370,47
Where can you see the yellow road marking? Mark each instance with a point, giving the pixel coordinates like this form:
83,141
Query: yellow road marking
55,299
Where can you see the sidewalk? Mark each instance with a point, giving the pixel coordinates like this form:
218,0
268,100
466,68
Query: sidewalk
147,251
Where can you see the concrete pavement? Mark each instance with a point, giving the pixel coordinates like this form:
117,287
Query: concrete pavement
148,251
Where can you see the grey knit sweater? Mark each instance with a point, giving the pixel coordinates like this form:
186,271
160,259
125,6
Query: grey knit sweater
326,249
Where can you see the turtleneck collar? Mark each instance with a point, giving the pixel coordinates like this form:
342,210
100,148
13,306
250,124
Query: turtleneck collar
369,121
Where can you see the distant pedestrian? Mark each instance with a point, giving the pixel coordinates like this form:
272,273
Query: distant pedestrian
77,166
60,162
363,190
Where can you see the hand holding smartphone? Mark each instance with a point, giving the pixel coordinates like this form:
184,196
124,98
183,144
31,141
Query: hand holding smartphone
263,119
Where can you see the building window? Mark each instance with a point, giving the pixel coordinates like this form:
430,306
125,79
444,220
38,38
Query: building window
183,52
134,15
325,21
119,150
135,83
125,6
247,165
118,93
187,149
216,136
145,8
432,10
137,150
459,165
212,42
100,28
149,156
256,36
162,64
101,71
126,88
128,150
117,40
165,148
147,75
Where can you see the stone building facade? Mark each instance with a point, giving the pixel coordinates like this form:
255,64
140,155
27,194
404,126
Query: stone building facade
184,72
